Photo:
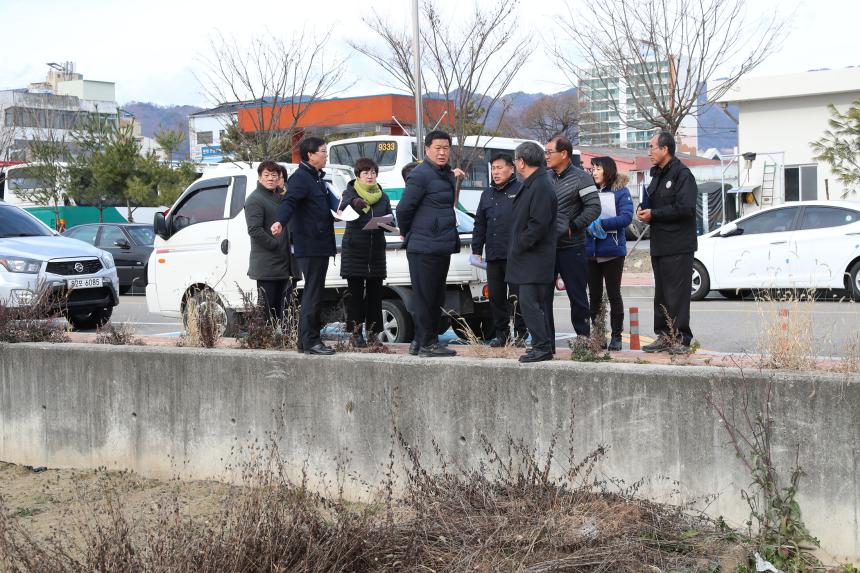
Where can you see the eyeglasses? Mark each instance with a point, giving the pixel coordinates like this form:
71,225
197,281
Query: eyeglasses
367,174
550,151
323,151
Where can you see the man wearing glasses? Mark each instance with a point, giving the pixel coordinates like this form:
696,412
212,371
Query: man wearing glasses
578,206
307,198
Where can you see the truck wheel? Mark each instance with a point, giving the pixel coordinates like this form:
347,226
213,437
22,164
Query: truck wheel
95,318
396,322
206,301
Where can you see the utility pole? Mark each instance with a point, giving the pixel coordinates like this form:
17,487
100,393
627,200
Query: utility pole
419,115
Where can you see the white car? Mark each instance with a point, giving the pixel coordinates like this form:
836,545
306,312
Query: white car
797,245
202,245
79,279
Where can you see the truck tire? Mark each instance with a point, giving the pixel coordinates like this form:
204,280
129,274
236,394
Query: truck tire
227,320
88,319
396,322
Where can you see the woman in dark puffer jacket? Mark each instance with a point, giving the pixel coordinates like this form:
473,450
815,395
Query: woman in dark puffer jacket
363,252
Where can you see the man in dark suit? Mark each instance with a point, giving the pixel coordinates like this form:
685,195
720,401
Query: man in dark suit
671,212
531,254
425,215
308,199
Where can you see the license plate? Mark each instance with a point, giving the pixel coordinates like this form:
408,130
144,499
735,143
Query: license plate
83,283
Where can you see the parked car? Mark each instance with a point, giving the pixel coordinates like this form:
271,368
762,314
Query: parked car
797,245
129,243
80,280
202,247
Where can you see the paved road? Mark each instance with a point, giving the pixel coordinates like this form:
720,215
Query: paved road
719,325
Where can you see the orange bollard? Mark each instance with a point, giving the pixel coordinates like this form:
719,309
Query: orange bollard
634,328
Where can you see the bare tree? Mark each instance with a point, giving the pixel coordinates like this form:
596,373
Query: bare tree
549,116
651,59
8,135
276,80
470,65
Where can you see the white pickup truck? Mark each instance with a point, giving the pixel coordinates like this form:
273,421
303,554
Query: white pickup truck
202,246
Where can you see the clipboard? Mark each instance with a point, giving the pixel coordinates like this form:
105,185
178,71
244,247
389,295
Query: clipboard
376,222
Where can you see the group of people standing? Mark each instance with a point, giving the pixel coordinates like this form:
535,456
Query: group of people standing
543,223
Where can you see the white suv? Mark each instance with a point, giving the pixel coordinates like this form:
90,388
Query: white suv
79,279
202,244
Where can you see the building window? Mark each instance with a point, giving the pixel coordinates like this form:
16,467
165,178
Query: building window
801,183
204,138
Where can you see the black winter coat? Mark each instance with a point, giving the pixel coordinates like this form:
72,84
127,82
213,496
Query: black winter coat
362,253
578,205
492,230
672,196
270,256
531,255
425,213
306,203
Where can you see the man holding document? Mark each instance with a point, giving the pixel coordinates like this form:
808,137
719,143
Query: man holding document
492,234
364,206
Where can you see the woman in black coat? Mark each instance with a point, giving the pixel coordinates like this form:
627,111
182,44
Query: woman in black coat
363,252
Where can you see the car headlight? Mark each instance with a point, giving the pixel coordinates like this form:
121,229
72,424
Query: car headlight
107,260
19,265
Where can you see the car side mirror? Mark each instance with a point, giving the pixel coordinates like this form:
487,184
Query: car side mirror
729,229
159,226
122,244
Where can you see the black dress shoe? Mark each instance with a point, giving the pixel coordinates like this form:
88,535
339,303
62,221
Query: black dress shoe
614,343
414,348
498,342
535,357
320,349
436,351
359,342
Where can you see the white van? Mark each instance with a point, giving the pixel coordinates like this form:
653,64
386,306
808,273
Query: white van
202,244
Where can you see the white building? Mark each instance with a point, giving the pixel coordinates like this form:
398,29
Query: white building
608,113
205,129
779,116
50,109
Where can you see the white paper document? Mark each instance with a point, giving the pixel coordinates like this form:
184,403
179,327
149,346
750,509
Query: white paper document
348,214
476,261
607,205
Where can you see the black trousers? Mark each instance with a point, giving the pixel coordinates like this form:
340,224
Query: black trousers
608,272
313,271
673,276
533,299
364,305
428,274
272,295
571,264
500,305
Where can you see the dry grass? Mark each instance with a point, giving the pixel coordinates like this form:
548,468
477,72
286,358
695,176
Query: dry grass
203,328
510,514
787,339
33,323
259,330
117,335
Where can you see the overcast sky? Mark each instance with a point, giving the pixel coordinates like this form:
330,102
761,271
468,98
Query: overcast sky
151,48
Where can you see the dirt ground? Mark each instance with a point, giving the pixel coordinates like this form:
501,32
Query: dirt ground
638,261
61,499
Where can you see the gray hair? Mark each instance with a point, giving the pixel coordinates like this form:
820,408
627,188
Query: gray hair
531,153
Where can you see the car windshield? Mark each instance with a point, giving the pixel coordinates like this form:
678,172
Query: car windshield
16,223
142,235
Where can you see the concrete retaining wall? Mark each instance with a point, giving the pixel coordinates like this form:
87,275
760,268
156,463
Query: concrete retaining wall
164,411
